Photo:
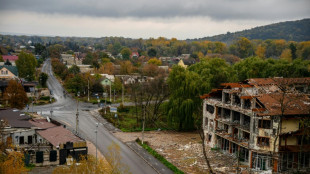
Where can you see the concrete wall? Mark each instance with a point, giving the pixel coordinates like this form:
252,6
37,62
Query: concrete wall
289,125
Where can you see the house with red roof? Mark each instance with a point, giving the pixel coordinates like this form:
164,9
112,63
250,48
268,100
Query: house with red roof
11,58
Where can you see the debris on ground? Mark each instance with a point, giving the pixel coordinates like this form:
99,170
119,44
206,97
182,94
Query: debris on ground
184,150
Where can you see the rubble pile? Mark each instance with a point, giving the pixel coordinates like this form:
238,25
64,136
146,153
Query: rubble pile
184,150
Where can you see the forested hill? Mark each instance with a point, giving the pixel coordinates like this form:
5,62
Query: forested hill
291,31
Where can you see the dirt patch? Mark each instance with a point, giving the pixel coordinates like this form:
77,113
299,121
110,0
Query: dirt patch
184,150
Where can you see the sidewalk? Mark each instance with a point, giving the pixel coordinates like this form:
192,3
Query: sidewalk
148,158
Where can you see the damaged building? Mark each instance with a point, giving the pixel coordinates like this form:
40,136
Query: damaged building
43,141
262,120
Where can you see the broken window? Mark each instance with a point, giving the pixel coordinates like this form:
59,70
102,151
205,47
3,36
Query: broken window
247,104
265,124
262,141
226,128
237,100
246,122
30,139
21,140
227,98
219,111
226,113
244,154
236,117
210,109
246,135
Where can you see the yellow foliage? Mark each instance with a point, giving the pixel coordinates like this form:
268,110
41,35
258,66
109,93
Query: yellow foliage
154,61
13,163
260,51
287,55
89,165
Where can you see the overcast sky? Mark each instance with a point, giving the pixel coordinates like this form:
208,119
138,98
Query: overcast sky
144,18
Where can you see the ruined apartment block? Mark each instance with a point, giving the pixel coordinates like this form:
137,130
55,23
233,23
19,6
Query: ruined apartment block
260,120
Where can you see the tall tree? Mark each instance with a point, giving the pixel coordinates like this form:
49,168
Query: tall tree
26,65
43,79
183,100
293,50
15,95
126,52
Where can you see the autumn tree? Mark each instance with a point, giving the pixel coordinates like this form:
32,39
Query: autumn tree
26,65
12,163
15,95
154,61
243,47
74,69
126,67
110,165
260,51
286,55
1,58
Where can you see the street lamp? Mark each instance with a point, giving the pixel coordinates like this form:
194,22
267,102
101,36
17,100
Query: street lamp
96,131
51,108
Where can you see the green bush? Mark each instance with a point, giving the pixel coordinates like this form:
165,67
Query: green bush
46,98
159,157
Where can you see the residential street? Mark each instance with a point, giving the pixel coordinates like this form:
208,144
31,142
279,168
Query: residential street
64,110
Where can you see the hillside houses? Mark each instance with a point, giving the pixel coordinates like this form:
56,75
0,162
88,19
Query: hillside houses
260,119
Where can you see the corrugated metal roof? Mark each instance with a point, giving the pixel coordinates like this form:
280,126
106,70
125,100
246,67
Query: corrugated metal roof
58,135
15,118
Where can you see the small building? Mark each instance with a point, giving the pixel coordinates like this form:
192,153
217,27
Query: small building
134,55
44,141
11,58
8,72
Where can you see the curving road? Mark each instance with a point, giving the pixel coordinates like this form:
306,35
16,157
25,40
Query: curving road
64,110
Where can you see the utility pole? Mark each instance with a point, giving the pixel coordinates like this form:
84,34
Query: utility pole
114,95
143,123
105,105
77,115
122,93
96,131
110,91
88,90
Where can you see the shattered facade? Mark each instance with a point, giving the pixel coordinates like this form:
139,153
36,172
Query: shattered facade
260,120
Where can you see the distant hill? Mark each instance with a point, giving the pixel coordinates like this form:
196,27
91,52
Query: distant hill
291,31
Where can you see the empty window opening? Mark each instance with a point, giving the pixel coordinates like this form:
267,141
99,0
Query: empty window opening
21,140
247,104
265,124
244,154
226,113
237,100
246,136
210,109
227,98
236,117
219,111
262,141
30,139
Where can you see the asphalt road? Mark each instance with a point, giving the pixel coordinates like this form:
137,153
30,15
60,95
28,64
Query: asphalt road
64,110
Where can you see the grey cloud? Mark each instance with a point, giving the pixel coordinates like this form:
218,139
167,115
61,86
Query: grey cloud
215,9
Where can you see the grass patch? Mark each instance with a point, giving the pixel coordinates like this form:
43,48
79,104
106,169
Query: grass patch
127,120
159,157
30,166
